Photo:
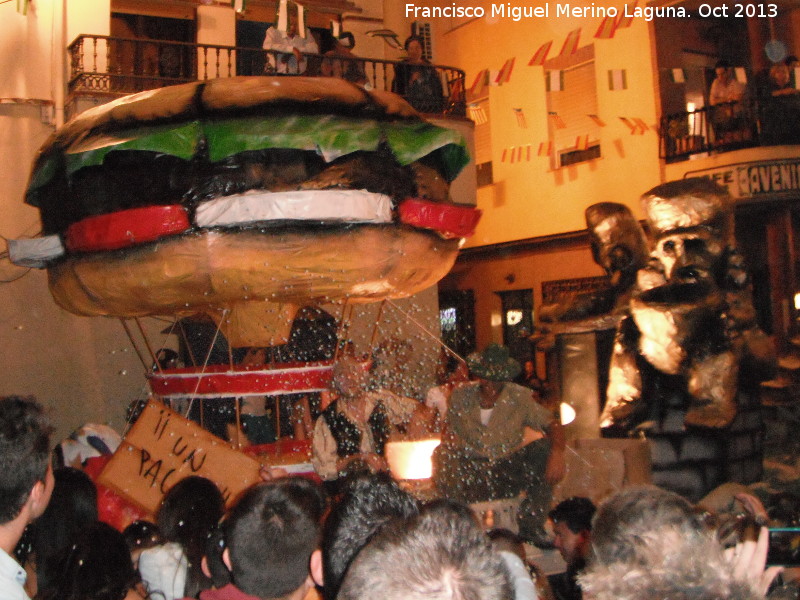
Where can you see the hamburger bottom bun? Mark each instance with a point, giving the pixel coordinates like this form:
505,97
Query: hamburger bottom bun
248,277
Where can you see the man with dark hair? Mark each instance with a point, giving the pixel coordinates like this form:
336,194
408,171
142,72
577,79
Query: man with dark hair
369,502
572,524
271,542
26,482
440,554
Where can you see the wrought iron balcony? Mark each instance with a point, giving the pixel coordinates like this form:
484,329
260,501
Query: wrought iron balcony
104,65
760,121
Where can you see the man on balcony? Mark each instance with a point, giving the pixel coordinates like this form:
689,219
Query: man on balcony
725,97
288,46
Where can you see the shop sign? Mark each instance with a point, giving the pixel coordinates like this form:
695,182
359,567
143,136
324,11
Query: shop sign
756,180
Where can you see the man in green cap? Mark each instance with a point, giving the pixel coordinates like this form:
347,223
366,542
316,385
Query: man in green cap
484,453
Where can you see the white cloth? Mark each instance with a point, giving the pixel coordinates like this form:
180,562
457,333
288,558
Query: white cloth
280,42
163,570
437,398
12,579
524,588
725,92
93,439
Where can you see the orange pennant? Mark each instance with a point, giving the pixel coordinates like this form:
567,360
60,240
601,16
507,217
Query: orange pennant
571,43
537,60
505,73
597,120
607,29
625,21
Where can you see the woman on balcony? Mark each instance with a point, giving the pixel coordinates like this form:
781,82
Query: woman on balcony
417,80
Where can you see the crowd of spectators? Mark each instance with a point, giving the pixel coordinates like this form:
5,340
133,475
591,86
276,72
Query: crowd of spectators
286,538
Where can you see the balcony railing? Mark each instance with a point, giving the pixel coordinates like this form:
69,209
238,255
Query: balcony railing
767,121
118,66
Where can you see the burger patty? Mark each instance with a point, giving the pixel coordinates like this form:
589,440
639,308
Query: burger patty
133,179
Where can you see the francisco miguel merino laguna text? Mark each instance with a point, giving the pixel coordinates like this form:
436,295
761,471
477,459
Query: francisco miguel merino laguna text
517,13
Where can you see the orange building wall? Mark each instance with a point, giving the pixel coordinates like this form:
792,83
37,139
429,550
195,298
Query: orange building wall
529,198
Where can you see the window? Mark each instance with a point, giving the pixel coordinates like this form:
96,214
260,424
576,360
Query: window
571,98
517,306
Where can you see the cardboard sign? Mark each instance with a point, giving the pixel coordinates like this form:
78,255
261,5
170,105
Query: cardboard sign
162,448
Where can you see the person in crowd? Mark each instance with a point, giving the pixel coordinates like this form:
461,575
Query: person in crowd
725,97
780,120
213,565
140,536
368,502
26,483
351,433
453,374
271,542
512,550
343,63
288,46
417,80
439,554
257,421
484,453
572,525
97,567
190,509
649,543
531,380
73,505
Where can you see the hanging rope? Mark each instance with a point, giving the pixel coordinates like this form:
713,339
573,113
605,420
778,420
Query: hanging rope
134,344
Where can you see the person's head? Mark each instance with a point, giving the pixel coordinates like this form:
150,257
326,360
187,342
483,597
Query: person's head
453,369
98,566
439,554
189,510
254,357
723,69
780,75
270,535
347,40
166,358
368,502
494,364
141,535
572,525
27,478
73,505
649,543
691,221
414,48
350,376
214,566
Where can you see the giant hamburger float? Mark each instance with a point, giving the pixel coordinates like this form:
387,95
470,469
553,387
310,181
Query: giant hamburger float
244,199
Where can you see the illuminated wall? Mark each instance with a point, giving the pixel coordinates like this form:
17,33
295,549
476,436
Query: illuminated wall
530,198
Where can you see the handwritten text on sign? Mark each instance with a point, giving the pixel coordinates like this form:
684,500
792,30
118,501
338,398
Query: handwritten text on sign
162,448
